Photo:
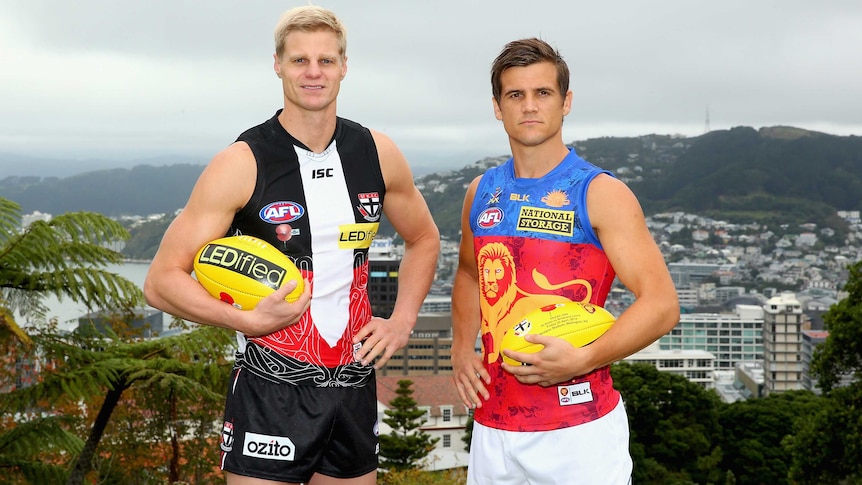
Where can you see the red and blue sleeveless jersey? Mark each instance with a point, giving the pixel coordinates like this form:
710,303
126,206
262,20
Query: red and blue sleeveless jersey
322,210
534,246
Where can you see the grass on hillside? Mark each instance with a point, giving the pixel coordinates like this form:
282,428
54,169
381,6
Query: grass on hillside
455,476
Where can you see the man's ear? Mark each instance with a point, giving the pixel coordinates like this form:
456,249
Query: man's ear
276,66
567,103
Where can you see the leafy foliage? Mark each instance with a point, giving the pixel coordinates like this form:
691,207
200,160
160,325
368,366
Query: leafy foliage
406,444
825,446
181,371
753,431
672,424
65,257
81,378
842,352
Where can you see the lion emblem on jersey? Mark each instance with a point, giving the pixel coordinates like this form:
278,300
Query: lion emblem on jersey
502,301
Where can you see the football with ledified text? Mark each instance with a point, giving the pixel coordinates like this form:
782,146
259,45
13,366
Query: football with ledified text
577,323
242,270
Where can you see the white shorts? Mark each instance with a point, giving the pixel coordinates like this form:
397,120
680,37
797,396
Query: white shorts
594,453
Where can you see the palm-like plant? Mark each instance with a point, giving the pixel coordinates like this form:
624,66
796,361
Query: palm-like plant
66,257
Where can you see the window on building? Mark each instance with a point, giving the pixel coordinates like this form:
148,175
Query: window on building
447,440
447,414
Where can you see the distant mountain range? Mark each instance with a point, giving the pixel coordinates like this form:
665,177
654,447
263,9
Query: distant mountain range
772,175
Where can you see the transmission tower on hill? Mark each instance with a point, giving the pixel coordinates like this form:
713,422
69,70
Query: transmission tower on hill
706,125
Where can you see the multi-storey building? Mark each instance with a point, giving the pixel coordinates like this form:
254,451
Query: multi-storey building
782,344
685,274
383,265
445,416
748,378
695,365
428,352
730,337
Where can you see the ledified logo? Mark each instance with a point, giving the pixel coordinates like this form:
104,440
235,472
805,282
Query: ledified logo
244,264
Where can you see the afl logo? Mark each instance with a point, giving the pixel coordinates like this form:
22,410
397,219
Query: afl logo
281,212
490,217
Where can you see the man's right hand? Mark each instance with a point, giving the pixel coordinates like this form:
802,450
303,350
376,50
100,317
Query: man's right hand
273,313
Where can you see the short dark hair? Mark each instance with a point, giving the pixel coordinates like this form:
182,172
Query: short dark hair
526,52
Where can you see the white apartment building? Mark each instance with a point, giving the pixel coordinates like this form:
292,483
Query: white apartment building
695,365
782,344
730,337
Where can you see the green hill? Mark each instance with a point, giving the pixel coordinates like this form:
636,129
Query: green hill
778,174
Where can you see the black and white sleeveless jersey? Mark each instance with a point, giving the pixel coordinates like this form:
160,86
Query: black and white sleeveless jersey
322,210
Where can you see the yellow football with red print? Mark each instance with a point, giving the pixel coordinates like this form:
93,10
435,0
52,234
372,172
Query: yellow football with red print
242,270
577,323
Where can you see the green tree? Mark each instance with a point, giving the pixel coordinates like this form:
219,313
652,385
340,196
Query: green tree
672,425
826,446
81,372
752,434
834,457
468,433
841,353
64,257
181,371
406,444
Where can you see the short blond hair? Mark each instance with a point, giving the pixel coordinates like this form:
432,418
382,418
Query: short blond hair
309,18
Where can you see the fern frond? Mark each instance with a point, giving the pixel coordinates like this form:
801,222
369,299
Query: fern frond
10,219
31,437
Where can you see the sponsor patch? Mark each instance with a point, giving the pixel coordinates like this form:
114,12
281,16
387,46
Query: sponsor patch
549,221
267,447
490,217
574,394
369,206
556,198
244,264
281,212
357,236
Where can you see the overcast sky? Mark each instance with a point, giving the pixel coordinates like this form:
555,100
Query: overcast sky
130,79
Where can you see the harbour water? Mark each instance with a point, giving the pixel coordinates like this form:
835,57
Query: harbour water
67,311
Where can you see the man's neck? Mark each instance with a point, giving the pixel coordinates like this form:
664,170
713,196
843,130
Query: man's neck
536,162
313,128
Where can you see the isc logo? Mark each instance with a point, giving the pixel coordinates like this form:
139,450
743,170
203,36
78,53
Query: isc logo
320,173
281,212
490,217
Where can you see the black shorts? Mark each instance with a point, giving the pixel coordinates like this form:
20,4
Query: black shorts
286,433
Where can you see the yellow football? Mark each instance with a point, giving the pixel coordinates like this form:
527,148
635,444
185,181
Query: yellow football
577,323
242,270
